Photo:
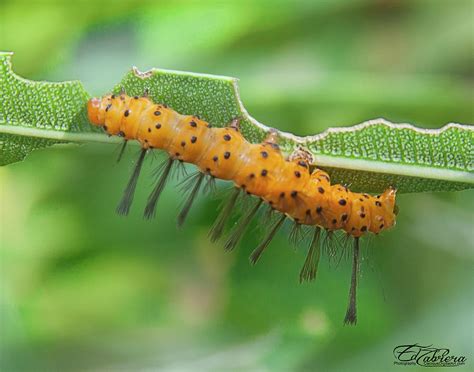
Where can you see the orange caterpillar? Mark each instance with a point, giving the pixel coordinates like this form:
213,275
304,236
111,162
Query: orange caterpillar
287,186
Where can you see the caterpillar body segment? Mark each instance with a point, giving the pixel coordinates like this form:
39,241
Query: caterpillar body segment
286,185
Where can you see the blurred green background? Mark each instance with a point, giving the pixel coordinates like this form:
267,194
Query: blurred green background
83,289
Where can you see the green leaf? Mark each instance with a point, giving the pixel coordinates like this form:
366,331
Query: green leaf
368,157
36,114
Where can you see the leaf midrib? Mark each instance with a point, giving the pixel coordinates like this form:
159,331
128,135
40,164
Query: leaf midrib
375,166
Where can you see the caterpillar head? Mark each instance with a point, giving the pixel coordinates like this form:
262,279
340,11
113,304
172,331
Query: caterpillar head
93,111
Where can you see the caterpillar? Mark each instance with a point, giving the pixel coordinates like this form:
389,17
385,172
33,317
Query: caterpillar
287,186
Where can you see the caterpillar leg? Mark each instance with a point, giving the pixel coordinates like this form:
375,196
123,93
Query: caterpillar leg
297,233
124,206
239,229
197,180
272,138
210,187
217,229
330,245
165,170
310,267
351,314
264,244
122,150
235,123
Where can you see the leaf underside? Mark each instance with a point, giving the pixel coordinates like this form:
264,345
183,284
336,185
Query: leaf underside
368,157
